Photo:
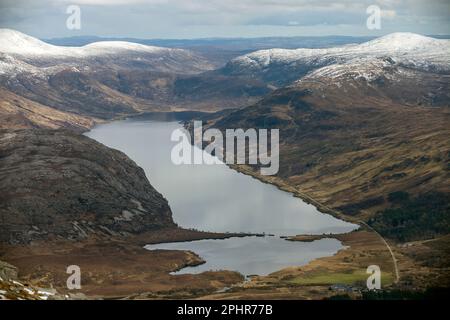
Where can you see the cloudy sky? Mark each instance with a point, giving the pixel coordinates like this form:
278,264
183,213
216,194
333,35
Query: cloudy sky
223,18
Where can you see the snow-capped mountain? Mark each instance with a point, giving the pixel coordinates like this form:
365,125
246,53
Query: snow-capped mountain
101,80
106,79
115,54
16,43
280,66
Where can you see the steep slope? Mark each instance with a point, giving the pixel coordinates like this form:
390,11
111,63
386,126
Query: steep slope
207,91
382,78
350,150
83,80
115,78
70,90
61,185
17,112
353,133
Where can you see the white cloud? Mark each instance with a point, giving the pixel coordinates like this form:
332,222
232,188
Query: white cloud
109,2
161,18
388,14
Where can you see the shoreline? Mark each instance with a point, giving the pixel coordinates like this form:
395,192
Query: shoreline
185,235
277,182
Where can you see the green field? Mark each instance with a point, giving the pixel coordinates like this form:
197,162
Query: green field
348,278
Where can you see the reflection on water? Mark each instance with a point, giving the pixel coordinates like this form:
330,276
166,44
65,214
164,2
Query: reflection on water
252,255
216,198
213,198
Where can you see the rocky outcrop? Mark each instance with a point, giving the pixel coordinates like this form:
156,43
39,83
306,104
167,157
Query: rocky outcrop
56,184
7,271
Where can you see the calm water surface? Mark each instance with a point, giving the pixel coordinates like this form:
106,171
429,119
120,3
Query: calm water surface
216,198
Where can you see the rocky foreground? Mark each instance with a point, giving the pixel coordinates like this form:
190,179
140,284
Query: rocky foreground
66,199
61,185
362,131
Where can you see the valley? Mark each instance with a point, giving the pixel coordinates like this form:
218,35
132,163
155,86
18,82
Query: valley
363,141
196,205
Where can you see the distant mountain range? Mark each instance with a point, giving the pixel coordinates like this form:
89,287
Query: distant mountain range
356,112
232,44
108,79
281,66
221,50
115,54
364,130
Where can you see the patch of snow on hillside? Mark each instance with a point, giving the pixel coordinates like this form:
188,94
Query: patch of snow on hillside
16,43
408,48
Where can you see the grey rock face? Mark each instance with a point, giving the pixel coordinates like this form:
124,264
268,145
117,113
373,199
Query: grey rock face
58,184
7,272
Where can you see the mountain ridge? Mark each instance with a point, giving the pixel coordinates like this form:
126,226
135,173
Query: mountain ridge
283,66
16,42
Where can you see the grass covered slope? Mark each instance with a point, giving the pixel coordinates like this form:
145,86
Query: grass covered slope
351,142
18,112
